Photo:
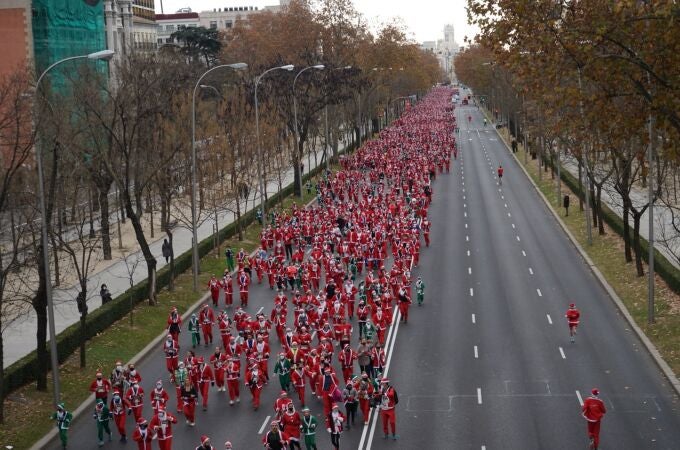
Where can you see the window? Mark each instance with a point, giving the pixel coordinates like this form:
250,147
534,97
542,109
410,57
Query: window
228,23
170,28
191,25
213,24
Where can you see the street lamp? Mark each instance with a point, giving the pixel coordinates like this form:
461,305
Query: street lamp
194,244
260,169
297,131
327,135
101,55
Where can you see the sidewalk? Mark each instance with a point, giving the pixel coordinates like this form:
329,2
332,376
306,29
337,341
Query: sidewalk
662,215
19,336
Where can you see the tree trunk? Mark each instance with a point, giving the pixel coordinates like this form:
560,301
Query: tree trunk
626,232
600,222
239,228
104,222
55,253
144,247
171,285
82,308
636,243
2,369
594,203
580,186
39,304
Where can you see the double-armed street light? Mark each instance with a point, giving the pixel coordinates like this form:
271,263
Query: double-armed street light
194,243
260,162
103,55
297,130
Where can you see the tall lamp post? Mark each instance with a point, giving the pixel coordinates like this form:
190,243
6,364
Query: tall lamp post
96,56
260,168
327,135
194,243
297,130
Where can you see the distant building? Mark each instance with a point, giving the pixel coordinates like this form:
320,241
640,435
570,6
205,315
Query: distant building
166,24
16,35
130,25
445,49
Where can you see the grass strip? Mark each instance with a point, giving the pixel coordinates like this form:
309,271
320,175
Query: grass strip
27,411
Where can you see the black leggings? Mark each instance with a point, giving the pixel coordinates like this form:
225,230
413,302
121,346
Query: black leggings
335,440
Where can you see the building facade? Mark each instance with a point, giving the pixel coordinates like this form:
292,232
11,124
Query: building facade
166,24
16,36
445,49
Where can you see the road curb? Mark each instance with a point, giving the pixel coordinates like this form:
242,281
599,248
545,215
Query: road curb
649,345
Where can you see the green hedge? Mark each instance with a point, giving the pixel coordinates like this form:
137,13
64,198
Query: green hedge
666,270
23,371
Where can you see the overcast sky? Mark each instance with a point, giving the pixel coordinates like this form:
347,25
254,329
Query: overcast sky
425,19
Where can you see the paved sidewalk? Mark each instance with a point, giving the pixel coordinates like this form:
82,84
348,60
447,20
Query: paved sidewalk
662,215
19,336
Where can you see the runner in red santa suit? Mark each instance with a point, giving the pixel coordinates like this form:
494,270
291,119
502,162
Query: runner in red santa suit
593,411
161,424
214,287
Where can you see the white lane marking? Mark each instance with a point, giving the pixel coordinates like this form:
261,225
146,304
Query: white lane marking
463,197
469,270
472,293
562,353
465,225
474,319
517,238
509,215
538,291
464,205
506,205
524,253
502,197
513,225
580,399
467,238
479,396
483,447
463,189
392,334
476,353
531,272
264,424
464,214
468,252
549,319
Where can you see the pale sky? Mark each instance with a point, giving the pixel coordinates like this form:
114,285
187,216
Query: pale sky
425,19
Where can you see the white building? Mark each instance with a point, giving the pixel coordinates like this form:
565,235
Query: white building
130,26
225,18
169,23
445,49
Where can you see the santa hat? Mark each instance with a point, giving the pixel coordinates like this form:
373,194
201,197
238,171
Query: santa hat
571,305
141,421
385,380
595,391
204,439
282,393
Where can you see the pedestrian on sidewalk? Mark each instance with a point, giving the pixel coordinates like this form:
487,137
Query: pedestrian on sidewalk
105,294
593,411
565,203
166,249
63,419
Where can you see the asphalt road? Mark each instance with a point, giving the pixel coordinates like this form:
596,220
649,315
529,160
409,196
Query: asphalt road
486,362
